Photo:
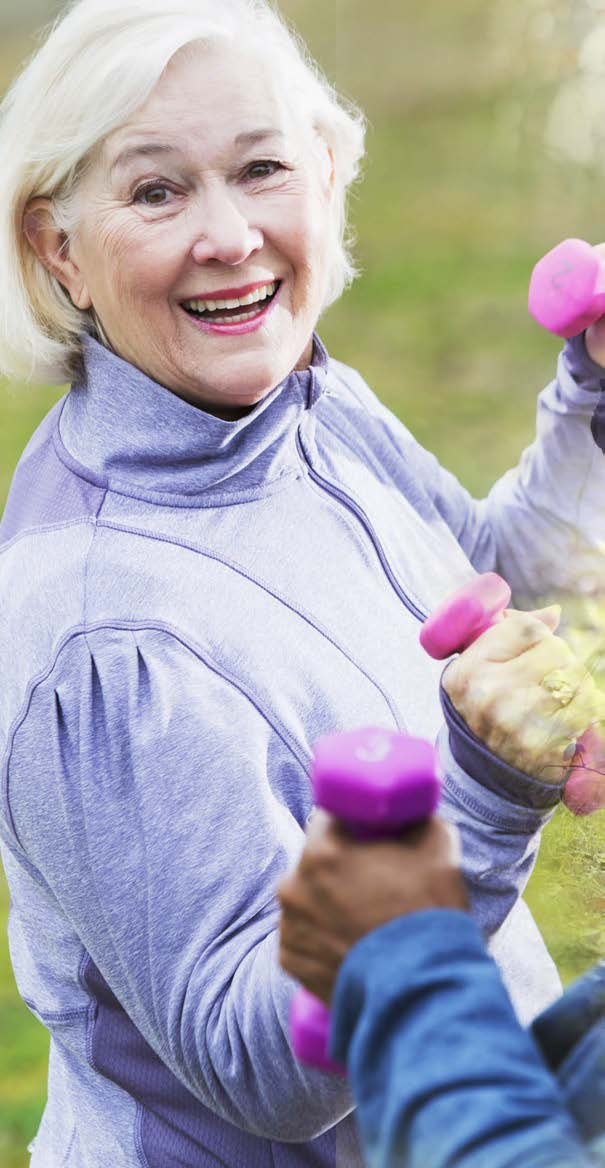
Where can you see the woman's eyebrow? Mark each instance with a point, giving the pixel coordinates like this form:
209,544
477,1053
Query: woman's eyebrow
141,150
253,137
147,149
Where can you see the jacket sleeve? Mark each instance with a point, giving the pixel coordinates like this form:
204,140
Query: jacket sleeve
500,813
547,515
153,798
542,525
441,1070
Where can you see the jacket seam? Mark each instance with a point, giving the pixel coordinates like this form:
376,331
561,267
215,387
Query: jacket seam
434,541
498,819
133,627
44,528
253,579
56,1015
88,556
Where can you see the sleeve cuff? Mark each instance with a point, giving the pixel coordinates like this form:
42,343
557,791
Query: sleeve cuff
585,372
584,384
491,772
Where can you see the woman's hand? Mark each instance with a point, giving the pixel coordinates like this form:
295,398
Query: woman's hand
343,889
525,694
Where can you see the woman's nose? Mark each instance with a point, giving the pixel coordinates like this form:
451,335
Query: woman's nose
226,233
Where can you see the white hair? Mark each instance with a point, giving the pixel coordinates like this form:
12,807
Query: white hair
99,65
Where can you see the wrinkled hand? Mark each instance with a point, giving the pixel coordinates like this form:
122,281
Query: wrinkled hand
342,889
496,687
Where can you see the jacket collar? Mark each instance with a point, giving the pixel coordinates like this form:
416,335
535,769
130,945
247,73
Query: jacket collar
138,438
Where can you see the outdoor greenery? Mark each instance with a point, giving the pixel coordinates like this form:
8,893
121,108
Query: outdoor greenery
459,200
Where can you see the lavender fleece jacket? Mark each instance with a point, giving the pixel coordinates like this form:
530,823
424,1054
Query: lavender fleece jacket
187,604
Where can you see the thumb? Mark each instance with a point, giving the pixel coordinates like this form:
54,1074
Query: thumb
550,616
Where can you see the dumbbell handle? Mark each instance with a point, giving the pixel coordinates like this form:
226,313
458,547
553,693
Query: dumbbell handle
378,781
567,288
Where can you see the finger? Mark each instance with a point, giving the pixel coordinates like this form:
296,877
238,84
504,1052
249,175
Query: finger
309,972
511,637
297,932
478,688
545,746
318,823
325,848
292,894
550,616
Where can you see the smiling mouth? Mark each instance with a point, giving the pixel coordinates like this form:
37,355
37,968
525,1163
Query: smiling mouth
234,311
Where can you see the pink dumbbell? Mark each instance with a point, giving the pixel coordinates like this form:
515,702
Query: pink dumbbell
457,623
378,781
567,288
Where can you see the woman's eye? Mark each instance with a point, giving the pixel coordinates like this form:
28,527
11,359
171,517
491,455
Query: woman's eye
151,196
264,169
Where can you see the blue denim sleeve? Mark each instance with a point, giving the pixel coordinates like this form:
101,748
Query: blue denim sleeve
571,1036
442,1072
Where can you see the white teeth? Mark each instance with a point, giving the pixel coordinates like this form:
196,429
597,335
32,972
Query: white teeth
215,305
232,319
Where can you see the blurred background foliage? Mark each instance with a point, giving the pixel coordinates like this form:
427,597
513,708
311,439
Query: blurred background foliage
486,146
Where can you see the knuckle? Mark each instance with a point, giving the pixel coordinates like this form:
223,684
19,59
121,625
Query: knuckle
525,627
453,679
485,709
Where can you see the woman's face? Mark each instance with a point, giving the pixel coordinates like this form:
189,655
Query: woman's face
213,191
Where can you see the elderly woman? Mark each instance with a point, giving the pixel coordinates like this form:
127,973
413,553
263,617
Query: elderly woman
218,546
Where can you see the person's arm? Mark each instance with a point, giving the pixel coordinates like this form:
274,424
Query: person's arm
159,806
571,1039
542,525
547,515
442,1072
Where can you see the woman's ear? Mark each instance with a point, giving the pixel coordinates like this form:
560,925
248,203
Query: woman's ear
51,246
325,162
329,171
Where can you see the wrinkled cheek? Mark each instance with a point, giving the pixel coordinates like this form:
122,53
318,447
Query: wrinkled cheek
315,246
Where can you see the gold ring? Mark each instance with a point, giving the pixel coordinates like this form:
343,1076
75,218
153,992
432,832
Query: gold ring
557,685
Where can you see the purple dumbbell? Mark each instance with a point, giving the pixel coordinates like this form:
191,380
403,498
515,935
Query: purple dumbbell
378,781
567,288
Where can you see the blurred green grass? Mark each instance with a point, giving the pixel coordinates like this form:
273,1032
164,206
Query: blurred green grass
457,203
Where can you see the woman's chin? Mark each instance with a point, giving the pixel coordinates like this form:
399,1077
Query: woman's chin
243,382
226,399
